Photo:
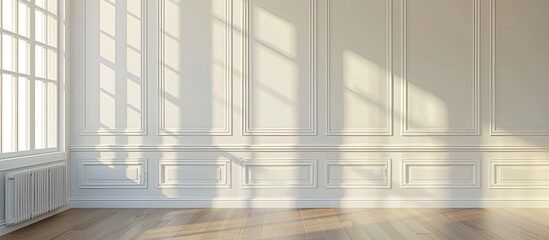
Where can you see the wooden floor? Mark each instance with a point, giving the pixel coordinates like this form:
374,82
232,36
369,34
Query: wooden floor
231,224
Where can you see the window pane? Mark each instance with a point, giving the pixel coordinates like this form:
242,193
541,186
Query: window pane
41,3
52,6
52,115
8,123
24,57
52,65
52,31
40,26
23,114
39,115
40,62
8,15
9,53
24,20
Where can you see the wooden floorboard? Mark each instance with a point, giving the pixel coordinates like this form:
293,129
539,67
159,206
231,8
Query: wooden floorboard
290,224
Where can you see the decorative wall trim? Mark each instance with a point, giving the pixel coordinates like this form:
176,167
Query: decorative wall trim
308,181
305,203
382,166
389,55
139,165
222,168
142,131
432,182
494,130
225,131
475,129
524,167
247,71
300,148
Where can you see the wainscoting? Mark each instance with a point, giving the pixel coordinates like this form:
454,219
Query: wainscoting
310,103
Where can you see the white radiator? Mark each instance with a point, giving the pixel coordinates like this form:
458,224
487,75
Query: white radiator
33,192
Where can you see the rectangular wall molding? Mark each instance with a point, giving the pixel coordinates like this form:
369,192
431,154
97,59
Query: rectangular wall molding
194,173
108,65
517,97
360,64
279,173
438,109
289,56
440,173
519,173
113,173
358,173
168,73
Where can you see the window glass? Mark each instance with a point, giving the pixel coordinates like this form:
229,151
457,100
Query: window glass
29,83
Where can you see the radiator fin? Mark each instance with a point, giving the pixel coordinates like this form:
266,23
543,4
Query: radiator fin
34,192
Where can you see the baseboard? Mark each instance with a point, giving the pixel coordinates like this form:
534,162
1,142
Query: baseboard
7,229
304,203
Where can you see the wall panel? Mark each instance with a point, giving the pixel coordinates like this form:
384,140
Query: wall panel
519,173
194,173
519,73
441,67
113,91
440,173
195,70
279,67
279,173
113,173
359,51
359,173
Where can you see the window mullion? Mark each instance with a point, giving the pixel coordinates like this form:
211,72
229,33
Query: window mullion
45,123
60,68
32,79
15,82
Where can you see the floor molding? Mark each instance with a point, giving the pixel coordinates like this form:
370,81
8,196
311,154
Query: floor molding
303,203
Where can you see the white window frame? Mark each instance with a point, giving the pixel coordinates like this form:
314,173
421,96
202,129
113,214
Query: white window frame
21,158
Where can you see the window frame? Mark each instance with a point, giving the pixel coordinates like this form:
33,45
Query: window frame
59,151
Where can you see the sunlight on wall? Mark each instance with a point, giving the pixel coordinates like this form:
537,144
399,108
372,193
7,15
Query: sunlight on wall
172,61
219,62
432,111
275,71
117,105
275,32
195,66
107,101
370,97
133,63
107,74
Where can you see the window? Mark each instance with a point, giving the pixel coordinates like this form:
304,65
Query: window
29,77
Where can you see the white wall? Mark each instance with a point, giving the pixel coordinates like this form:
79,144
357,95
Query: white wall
314,102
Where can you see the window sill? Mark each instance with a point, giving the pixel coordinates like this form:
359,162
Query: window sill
31,160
